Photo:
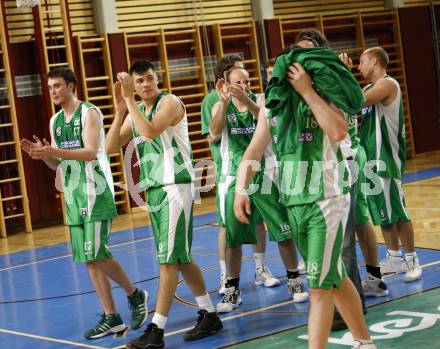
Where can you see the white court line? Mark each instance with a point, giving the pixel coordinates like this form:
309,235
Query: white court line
227,318
259,310
255,311
250,312
70,255
430,264
81,345
245,313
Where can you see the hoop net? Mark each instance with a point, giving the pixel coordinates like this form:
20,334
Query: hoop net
27,3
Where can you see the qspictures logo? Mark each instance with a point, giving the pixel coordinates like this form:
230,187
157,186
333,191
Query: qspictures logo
291,174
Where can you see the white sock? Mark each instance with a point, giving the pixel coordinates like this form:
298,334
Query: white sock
411,254
204,302
395,253
222,267
259,260
159,320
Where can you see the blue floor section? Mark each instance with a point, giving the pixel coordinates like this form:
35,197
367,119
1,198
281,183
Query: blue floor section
422,174
48,302
43,293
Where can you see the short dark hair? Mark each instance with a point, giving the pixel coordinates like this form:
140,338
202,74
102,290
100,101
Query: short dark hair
224,64
315,36
63,72
140,67
380,54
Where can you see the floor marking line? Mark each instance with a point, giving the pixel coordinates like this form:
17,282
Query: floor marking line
70,255
245,313
430,264
255,311
227,318
67,255
386,276
51,339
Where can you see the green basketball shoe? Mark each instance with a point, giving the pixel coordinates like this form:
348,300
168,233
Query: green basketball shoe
138,306
111,323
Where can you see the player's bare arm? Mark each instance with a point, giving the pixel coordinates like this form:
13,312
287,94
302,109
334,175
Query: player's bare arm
169,113
50,154
218,121
246,172
241,94
345,58
29,147
120,131
384,91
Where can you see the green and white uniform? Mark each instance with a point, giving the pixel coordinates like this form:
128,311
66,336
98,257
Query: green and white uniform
314,187
236,136
88,187
357,152
361,212
208,102
382,135
167,174
314,174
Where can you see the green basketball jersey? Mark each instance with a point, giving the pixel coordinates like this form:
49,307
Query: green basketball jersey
317,169
208,102
236,136
166,159
331,79
382,135
351,145
88,185
353,131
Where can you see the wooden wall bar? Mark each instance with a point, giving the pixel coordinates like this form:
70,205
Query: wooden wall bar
288,8
136,15
21,25
353,33
161,42
140,15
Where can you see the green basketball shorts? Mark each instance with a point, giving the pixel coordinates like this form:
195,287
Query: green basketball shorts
265,206
318,230
89,241
170,208
388,207
361,203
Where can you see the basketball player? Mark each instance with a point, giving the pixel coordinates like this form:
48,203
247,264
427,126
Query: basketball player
263,275
158,126
233,124
77,148
308,128
382,135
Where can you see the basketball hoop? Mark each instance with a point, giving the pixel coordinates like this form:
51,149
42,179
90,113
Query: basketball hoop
27,3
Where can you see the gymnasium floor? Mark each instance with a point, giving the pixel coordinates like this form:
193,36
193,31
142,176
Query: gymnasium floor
48,302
